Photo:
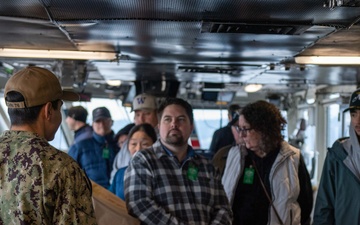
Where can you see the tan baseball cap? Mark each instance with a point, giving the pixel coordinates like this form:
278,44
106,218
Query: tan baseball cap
144,101
38,86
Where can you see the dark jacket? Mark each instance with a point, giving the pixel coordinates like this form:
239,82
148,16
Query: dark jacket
117,186
95,156
221,138
83,133
219,159
338,195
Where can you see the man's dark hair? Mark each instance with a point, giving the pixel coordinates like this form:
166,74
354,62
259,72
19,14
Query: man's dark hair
24,115
176,101
124,131
233,110
265,118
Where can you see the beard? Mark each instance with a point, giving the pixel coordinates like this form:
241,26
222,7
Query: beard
175,139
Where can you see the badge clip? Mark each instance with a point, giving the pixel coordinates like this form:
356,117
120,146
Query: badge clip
249,175
192,173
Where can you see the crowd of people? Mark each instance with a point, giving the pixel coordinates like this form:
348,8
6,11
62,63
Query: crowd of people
255,176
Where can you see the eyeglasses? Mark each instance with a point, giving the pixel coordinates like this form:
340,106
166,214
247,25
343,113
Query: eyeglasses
242,130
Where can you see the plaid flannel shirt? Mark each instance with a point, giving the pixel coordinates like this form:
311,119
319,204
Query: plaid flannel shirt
159,191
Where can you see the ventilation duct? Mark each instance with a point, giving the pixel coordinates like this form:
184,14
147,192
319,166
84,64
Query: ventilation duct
286,29
221,70
341,3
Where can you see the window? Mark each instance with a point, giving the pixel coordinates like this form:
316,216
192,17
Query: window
333,121
121,116
206,122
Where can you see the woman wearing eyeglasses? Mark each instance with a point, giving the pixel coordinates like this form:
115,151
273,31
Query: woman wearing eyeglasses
266,180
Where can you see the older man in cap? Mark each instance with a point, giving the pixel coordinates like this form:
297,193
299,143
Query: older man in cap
145,108
38,183
96,155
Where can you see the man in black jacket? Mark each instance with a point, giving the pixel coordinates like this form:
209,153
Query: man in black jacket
76,121
224,136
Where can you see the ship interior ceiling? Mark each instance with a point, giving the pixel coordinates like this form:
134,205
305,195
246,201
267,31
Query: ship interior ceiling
190,46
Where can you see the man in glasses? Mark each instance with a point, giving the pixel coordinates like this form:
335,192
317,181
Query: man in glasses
223,136
219,159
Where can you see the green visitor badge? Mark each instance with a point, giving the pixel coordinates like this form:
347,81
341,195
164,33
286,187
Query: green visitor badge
249,175
105,153
192,172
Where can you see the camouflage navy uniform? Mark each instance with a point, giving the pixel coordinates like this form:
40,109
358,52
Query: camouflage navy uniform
40,184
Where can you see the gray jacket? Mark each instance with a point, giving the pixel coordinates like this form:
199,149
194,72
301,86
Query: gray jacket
284,181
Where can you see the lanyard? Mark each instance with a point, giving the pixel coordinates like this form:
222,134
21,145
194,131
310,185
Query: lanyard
267,194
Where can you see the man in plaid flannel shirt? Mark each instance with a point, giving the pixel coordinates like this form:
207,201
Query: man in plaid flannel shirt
169,183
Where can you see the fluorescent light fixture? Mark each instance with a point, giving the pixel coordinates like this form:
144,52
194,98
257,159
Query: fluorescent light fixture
310,101
114,83
253,87
335,95
328,60
9,69
55,54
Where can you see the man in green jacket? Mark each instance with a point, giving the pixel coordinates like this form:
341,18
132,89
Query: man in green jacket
339,190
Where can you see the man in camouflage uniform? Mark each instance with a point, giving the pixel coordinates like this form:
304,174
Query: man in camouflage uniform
38,183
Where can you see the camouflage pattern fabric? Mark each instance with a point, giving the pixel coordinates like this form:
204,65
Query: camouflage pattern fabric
40,184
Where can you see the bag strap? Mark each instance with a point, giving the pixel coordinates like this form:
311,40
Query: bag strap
267,194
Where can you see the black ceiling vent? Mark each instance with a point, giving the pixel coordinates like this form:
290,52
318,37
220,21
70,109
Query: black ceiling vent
342,3
351,3
214,27
192,69
157,88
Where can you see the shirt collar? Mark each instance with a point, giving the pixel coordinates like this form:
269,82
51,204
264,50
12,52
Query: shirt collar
190,152
102,139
